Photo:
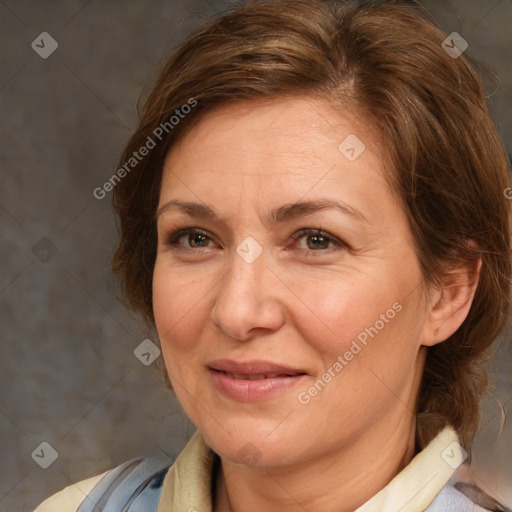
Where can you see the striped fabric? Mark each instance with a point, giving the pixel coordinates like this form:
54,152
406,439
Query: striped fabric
133,486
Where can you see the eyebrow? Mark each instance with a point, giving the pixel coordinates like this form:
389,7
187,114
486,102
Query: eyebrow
282,214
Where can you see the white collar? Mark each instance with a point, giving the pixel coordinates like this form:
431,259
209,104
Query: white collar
417,485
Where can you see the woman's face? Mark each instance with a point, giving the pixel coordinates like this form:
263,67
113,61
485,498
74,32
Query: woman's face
323,329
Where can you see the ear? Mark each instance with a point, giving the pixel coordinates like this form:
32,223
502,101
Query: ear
450,302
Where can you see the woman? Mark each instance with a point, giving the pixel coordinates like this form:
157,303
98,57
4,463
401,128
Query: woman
315,223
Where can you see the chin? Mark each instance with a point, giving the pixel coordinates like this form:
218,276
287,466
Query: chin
245,442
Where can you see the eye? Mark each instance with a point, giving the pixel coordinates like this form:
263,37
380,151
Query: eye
319,240
195,238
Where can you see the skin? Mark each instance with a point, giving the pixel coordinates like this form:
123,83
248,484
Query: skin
297,304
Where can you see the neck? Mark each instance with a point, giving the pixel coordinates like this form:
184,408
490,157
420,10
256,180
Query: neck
341,480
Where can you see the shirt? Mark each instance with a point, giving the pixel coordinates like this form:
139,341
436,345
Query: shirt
424,485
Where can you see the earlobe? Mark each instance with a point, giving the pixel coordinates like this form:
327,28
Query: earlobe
451,302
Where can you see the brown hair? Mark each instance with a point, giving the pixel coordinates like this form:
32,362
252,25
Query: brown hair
444,156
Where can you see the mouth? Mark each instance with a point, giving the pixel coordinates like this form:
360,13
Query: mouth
260,376
254,369
253,380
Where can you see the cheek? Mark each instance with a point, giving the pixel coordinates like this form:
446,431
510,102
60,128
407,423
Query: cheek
340,310
369,361
179,307
374,327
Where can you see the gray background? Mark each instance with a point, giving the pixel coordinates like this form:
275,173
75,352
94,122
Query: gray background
68,373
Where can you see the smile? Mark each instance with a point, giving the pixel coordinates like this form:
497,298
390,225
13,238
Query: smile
239,376
243,387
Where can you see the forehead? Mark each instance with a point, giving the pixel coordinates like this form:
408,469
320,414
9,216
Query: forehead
299,122
280,149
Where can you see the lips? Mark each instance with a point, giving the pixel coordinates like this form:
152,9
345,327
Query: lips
253,381
240,376
253,370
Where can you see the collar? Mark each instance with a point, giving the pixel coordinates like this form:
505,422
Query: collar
416,486
187,485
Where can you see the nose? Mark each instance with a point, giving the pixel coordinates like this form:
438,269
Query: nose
247,304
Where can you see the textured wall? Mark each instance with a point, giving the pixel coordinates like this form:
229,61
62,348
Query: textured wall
68,372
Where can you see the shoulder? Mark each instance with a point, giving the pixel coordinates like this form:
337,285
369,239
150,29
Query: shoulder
136,483
69,499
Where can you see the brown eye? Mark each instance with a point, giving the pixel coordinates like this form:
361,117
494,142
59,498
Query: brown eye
195,238
318,240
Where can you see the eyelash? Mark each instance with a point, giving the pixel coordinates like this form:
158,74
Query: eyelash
173,239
